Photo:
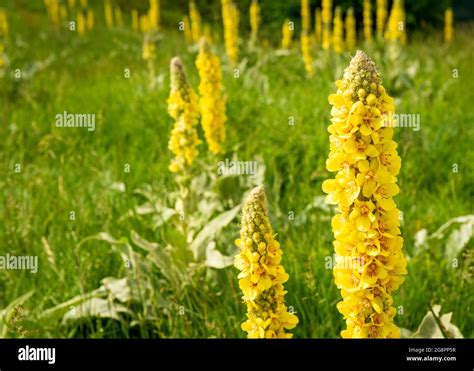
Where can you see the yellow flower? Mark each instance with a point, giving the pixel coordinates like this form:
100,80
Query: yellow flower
154,15
448,25
351,32
81,23
327,19
212,100
396,23
109,15
306,52
90,19
149,49
261,275
118,16
337,37
3,23
370,264
318,25
135,23
367,18
254,18
305,15
195,18
287,34
230,18
184,108
381,16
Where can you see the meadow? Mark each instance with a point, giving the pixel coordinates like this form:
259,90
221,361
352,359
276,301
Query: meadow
98,207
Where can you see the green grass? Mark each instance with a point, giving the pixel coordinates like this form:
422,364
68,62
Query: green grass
65,170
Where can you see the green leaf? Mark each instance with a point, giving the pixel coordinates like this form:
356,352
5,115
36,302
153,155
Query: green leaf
215,259
457,240
430,326
199,244
141,242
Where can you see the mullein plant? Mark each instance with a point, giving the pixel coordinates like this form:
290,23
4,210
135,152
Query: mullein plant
254,13
381,17
338,31
305,15
135,22
351,30
3,23
448,25
286,34
396,23
306,52
318,25
370,265
212,99
327,19
90,19
144,22
230,18
261,275
108,13
188,34
154,15
81,22
183,107
118,16
367,19
195,18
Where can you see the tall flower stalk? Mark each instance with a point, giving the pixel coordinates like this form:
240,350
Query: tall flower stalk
305,15
351,31
286,34
306,52
318,25
195,17
327,19
154,15
261,275
230,18
367,19
396,23
212,100
254,19
109,14
381,17
370,264
183,107
448,25
338,31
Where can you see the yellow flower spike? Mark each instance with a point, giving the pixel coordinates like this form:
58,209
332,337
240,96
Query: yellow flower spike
212,100
305,15
448,25
149,49
351,32
327,20
90,19
3,23
366,228
230,18
81,23
144,23
195,18
381,16
254,12
367,19
306,52
109,14
183,106
262,276
188,34
154,15
337,37
287,34
318,25
118,17
396,30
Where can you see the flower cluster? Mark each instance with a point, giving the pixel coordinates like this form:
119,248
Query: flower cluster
212,100
327,19
52,7
109,14
254,18
195,18
396,23
118,16
448,25
305,15
230,18
135,22
370,263
381,15
351,32
3,23
149,49
154,15
306,52
338,31
184,108
261,275
287,34
318,25
367,19
90,19
81,23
